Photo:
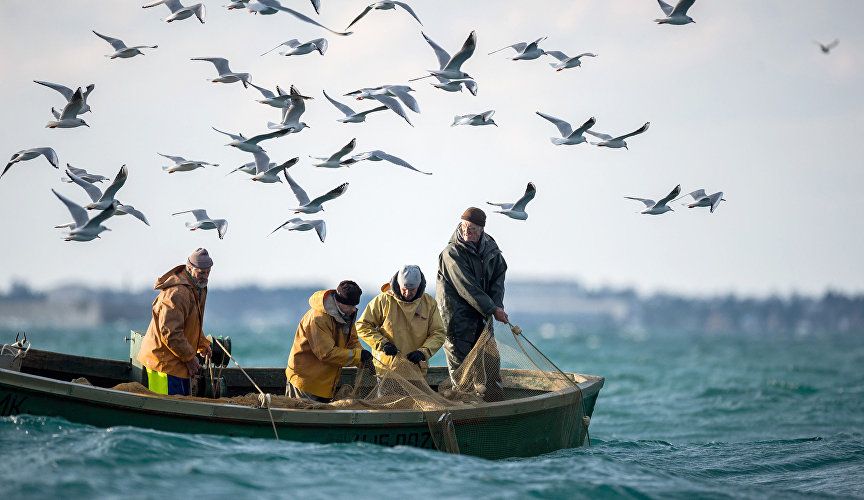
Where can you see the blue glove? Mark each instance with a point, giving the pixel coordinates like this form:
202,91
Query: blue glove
389,349
416,357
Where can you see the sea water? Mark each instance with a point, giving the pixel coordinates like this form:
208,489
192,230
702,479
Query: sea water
682,415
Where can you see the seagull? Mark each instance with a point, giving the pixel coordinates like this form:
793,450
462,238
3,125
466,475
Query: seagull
451,67
69,117
616,142
29,154
282,100
82,173
524,51
351,116
378,155
120,48
179,12
84,228
268,172
700,199
310,207
568,135
298,49
203,221
250,168
398,91
565,62
827,48
660,207
266,7
101,201
250,145
183,165
392,104
385,5
678,14
335,160
447,84
298,224
225,73
479,119
291,123
517,210
237,4
68,93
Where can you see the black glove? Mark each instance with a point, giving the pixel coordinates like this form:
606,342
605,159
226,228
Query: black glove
416,357
365,357
389,349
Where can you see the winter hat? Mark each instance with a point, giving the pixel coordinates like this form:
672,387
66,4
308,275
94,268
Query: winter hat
408,276
348,293
475,215
200,259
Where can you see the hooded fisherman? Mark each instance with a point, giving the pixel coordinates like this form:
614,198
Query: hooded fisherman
403,319
326,340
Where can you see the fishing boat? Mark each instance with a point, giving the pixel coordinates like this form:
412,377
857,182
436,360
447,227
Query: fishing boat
528,422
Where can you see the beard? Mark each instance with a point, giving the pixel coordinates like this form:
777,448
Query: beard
202,283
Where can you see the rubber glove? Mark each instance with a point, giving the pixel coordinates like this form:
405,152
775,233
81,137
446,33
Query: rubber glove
416,356
389,349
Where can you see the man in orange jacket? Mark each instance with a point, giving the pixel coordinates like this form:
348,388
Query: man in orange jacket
326,340
174,335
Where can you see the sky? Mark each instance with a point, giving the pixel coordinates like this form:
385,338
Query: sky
741,101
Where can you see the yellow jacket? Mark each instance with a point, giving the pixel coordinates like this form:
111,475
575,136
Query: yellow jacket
174,334
323,344
407,325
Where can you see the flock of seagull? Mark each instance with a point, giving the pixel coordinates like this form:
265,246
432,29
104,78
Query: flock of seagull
448,75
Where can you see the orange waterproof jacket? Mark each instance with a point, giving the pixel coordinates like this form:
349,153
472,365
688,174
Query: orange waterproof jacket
174,334
323,344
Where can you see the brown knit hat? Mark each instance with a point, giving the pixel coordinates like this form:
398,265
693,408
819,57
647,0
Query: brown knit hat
475,215
200,259
348,293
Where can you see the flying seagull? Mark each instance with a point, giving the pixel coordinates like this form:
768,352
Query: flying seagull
616,142
378,155
700,199
385,5
335,160
225,73
298,49
678,14
83,174
311,206
268,172
29,154
400,92
83,228
68,93
447,84
475,119
68,118
565,62
183,165
517,210
524,51
203,221
826,48
120,48
568,135
291,123
351,116
266,7
451,69
102,201
179,12
660,207
298,224
250,145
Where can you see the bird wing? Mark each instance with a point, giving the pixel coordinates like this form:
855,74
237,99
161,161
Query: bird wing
486,115
365,11
530,191
699,193
402,94
648,203
394,106
395,160
333,193
643,128
116,43
175,159
557,54
563,126
299,193
464,53
441,54
344,151
199,11
832,44
79,214
289,221
410,11
233,136
221,227
199,213
599,135
292,114
73,107
681,7
667,9
584,54
505,206
66,91
290,43
220,62
471,85
585,126
92,191
666,199
520,47
76,171
116,184
129,209
715,198
266,93
101,217
316,4
262,162
263,137
321,45
274,4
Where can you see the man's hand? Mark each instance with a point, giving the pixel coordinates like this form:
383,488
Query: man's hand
416,356
366,361
193,365
500,315
389,349
207,352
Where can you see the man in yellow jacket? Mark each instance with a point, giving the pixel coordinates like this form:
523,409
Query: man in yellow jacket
175,335
326,340
403,318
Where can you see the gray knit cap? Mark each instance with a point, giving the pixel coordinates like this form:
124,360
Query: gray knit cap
200,259
409,276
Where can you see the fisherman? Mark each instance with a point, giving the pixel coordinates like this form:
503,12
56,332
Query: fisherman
470,290
174,335
326,340
403,319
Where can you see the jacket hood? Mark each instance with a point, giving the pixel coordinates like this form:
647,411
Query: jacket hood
174,277
324,301
393,288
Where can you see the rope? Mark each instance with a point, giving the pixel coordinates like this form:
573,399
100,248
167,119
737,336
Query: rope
264,399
